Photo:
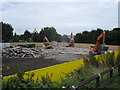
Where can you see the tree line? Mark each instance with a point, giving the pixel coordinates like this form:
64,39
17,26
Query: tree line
112,36
35,36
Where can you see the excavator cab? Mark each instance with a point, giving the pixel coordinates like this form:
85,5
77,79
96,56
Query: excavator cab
46,43
99,48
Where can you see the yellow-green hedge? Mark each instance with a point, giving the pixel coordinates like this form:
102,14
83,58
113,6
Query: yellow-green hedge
58,71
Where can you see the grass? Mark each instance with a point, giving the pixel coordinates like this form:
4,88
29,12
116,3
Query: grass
115,83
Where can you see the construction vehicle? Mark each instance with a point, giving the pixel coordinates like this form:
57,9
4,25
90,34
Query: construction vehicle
46,43
99,48
71,43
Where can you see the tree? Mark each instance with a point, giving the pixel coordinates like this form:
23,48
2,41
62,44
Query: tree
58,38
116,29
21,37
7,32
85,37
27,35
35,36
50,33
65,38
112,36
78,38
15,38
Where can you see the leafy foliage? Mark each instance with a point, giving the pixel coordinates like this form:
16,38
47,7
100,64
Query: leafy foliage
50,33
7,32
112,36
27,35
15,38
65,38
35,36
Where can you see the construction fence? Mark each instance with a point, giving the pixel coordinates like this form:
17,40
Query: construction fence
83,45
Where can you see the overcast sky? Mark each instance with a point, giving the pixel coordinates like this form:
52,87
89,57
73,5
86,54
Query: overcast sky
66,17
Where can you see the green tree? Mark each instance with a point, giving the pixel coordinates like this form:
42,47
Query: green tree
85,37
65,38
35,36
78,38
94,34
50,33
58,38
7,32
21,37
112,36
27,35
15,38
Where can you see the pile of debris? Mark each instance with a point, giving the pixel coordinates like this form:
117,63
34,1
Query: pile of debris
20,52
54,44
72,50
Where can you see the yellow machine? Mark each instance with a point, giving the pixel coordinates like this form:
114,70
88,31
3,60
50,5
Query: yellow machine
47,43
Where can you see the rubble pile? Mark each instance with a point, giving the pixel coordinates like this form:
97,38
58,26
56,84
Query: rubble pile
54,44
19,52
57,53
65,53
72,50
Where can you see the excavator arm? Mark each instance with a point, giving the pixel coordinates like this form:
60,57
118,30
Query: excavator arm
47,43
102,35
45,39
97,45
98,48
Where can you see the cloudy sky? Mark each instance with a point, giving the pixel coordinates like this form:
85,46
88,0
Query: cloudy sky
66,17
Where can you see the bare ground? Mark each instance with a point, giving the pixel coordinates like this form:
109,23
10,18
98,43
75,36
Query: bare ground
49,57
25,64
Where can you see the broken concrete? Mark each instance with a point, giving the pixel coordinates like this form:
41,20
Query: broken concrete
58,53
19,52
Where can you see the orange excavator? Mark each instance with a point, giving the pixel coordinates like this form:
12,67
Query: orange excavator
71,43
99,48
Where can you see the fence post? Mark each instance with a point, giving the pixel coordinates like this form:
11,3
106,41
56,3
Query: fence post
73,88
111,72
98,80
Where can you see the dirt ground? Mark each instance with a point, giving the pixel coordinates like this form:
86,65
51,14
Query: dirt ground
49,57
25,64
